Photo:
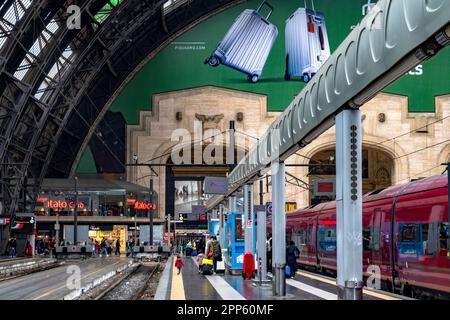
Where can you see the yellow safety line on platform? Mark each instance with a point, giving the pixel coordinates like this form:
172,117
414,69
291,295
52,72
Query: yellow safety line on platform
65,285
177,289
369,293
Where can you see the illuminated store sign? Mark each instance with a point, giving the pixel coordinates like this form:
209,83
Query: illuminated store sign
131,201
139,205
59,204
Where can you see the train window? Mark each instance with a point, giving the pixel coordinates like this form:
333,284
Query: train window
409,233
366,239
435,238
327,239
371,239
300,237
429,244
444,238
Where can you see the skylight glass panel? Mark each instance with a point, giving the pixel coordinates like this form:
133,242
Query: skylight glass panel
15,12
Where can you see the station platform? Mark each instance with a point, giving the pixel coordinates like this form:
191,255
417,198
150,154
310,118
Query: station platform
52,284
190,285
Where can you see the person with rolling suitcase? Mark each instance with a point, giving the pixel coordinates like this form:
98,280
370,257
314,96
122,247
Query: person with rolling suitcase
247,44
292,254
207,265
307,46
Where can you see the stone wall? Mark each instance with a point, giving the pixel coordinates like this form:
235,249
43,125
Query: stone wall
384,118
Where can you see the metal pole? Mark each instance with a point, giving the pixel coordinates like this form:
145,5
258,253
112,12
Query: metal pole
25,183
349,204
168,230
75,214
248,217
135,229
33,242
261,245
150,211
233,204
57,229
230,151
261,192
279,228
221,221
174,232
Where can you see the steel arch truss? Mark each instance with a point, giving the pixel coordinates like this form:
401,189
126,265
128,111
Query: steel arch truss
56,83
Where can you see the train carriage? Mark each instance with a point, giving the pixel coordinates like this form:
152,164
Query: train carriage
405,237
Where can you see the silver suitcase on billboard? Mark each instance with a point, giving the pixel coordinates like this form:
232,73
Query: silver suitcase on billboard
307,46
247,44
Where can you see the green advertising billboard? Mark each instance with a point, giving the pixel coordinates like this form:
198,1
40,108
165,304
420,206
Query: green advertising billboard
181,65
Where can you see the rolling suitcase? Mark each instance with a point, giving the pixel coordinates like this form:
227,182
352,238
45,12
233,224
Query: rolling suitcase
246,46
207,267
307,46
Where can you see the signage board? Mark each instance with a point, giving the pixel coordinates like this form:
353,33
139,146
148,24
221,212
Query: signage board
216,185
269,208
288,207
197,213
5,221
324,187
140,205
259,208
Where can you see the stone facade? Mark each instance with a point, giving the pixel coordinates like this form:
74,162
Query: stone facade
385,117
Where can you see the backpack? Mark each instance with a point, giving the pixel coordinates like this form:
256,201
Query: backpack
216,250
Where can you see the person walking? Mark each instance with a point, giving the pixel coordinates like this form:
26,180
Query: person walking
179,263
200,260
103,247
189,249
97,248
292,253
117,252
130,246
12,246
216,250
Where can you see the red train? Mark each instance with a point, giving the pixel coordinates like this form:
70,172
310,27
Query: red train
405,237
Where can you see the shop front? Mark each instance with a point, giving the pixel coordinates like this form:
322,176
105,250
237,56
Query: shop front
110,232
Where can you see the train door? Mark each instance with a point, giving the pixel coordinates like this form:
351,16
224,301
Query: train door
377,256
301,240
326,240
371,242
311,231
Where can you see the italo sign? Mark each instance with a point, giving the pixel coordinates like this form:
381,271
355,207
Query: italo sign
139,205
60,204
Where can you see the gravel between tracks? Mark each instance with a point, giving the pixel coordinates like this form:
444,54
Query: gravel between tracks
131,285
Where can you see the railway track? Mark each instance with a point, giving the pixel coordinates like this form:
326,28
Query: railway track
132,286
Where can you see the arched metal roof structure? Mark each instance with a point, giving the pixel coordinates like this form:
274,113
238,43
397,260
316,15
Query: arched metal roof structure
56,82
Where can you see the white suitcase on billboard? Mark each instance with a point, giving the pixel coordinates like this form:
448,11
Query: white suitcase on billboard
246,46
307,46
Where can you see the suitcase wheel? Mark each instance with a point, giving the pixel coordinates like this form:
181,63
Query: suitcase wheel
306,78
253,78
213,61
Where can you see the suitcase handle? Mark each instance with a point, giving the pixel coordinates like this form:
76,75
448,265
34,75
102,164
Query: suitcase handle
268,5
